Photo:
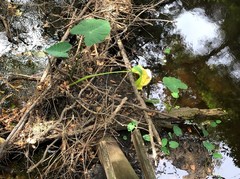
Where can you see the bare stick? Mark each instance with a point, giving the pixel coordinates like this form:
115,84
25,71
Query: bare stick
30,169
118,108
151,127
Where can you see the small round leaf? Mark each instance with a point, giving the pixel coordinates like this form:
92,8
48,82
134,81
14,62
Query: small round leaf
217,155
146,137
177,130
164,142
209,146
173,144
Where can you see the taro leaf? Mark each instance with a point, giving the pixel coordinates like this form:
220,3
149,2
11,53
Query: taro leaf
217,155
146,137
164,142
93,30
131,126
173,84
145,76
165,150
173,144
209,146
59,50
177,130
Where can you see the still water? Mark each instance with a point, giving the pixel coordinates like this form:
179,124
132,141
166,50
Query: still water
204,38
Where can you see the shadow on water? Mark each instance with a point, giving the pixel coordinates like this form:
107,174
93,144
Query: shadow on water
204,39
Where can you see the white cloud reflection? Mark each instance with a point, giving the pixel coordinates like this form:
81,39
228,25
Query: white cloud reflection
199,33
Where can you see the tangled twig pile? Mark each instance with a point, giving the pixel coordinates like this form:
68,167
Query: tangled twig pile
77,117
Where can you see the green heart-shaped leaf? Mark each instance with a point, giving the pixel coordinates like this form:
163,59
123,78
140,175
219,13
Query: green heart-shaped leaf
174,84
93,30
59,50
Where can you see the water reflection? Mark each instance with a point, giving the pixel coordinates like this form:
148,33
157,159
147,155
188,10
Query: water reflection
199,33
205,41
28,38
5,45
222,168
165,170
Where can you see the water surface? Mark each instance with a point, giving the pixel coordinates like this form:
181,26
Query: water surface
204,39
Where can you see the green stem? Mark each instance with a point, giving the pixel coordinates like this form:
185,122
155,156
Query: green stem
173,104
94,75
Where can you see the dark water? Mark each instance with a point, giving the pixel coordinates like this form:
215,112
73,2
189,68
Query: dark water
204,38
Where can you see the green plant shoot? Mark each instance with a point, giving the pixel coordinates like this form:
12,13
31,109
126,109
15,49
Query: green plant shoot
143,80
146,137
131,126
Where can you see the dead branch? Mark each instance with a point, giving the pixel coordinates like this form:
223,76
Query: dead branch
115,163
151,127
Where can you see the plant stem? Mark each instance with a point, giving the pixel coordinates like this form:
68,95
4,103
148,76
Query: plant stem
94,75
172,106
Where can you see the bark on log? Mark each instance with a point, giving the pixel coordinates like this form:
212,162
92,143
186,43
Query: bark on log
189,113
145,163
114,162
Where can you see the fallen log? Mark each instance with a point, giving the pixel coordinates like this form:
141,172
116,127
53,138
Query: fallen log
114,162
186,113
145,163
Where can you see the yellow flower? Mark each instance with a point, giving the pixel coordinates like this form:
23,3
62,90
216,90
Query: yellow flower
145,76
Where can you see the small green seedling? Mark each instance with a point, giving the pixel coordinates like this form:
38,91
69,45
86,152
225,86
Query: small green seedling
215,123
168,144
167,51
125,137
146,137
177,130
171,144
211,147
174,84
131,126
217,155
